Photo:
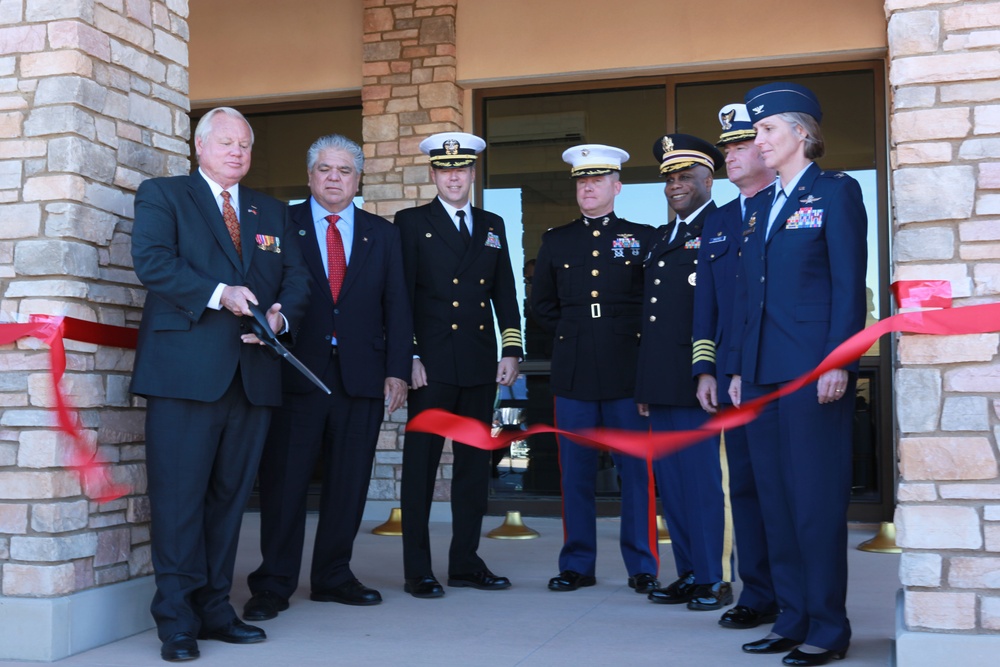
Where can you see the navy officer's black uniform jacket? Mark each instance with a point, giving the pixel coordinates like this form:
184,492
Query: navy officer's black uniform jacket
587,291
664,376
454,291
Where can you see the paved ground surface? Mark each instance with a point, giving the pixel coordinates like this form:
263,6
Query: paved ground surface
526,625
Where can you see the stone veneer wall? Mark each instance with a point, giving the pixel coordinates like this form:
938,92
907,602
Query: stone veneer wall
944,69
409,92
93,99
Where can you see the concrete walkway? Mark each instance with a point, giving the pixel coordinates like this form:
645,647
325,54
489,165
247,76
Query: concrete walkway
526,625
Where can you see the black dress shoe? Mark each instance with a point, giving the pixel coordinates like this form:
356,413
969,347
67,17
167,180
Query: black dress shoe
742,617
234,632
643,583
568,580
484,580
801,658
707,597
676,593
351,592
424,587
773,645
264,606
179,647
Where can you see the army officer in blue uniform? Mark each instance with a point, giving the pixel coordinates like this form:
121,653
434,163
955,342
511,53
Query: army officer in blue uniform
712,331
800,294
587,292
690,480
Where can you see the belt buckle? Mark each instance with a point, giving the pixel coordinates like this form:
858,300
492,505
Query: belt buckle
595,310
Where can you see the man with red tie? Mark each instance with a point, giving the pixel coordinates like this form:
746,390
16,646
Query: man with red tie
357,337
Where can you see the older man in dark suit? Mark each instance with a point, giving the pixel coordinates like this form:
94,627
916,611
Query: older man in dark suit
204,246
458,271
357,336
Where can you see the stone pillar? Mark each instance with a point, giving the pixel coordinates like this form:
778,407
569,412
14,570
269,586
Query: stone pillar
944,65
408,93
93,99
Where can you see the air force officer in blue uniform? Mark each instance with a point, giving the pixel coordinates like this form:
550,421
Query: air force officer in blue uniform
801,293
712,333
587,291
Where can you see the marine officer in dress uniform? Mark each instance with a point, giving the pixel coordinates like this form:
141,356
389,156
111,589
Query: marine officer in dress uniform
457,266
713,313
800,294
690,480
587,292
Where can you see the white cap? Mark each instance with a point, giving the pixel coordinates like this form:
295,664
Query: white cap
594,159
449,150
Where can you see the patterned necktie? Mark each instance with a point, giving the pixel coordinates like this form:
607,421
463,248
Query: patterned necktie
232,222
336,262
463,228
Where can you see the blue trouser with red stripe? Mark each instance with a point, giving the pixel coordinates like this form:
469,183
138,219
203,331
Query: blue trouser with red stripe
578,467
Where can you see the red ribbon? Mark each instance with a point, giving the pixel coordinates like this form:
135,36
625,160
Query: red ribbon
946,322
51,330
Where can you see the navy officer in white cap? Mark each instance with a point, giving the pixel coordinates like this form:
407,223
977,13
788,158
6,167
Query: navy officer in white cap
457,265
800,294
712,333
587,292
690,480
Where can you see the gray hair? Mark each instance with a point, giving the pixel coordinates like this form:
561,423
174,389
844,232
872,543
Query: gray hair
815,147
204,127
336,142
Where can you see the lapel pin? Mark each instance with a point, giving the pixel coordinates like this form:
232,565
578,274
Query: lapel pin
252,209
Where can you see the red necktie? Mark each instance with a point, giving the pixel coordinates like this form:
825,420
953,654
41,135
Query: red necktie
232,222
336,262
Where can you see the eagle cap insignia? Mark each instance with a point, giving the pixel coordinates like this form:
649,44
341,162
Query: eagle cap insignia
585,152
758,109
727,120
451,147
668,144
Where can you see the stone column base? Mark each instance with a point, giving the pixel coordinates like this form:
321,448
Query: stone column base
53,628
933,649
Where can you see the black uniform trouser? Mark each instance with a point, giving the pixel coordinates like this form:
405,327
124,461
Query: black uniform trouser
469,485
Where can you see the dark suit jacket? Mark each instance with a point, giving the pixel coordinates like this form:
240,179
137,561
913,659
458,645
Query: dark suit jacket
372,318
801,293
718,258
664,376
181,251
452,289
585,269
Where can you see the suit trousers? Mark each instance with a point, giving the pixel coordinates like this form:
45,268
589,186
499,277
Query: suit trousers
748,525
801,456
578,469
340,431
201,458
469,484
694,502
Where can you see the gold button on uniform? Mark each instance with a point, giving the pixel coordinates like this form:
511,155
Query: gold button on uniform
482,326
596,253
595,273
652,318
597,232
454,326
482,281
594,294
455,281
660,263
653,300
482,304
656,281
454,304
565,266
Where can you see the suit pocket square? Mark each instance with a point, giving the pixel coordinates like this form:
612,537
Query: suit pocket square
269,243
